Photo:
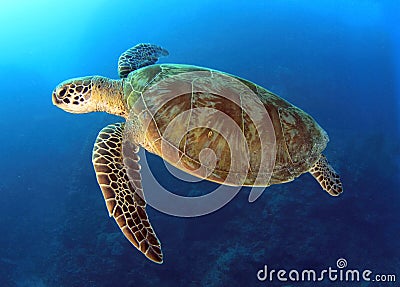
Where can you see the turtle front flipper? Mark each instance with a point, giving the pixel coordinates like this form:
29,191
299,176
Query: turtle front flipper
118,174
139,56
327,177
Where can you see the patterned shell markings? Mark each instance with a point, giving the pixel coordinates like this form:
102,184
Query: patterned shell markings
299,139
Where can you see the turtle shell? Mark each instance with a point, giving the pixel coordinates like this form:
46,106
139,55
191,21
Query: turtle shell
220,127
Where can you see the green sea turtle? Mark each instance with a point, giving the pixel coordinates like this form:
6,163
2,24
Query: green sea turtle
215,111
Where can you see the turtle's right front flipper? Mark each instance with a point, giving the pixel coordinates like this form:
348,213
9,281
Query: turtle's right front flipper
118,175
139,56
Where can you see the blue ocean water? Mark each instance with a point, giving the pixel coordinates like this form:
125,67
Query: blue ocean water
337,60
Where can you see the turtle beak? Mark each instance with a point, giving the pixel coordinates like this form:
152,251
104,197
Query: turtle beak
54,98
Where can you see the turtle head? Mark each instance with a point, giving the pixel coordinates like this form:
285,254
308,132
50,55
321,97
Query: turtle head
75,95
90,94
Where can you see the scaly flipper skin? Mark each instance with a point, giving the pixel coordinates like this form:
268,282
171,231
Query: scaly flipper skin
118,174
327,177
139,56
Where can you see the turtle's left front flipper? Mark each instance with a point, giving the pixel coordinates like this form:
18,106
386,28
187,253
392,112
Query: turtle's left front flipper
327,177
118,174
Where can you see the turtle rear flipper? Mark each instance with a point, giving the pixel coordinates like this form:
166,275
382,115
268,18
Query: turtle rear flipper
327,177
118,174
139,56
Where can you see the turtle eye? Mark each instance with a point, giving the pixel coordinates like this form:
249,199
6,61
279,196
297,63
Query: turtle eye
61,94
